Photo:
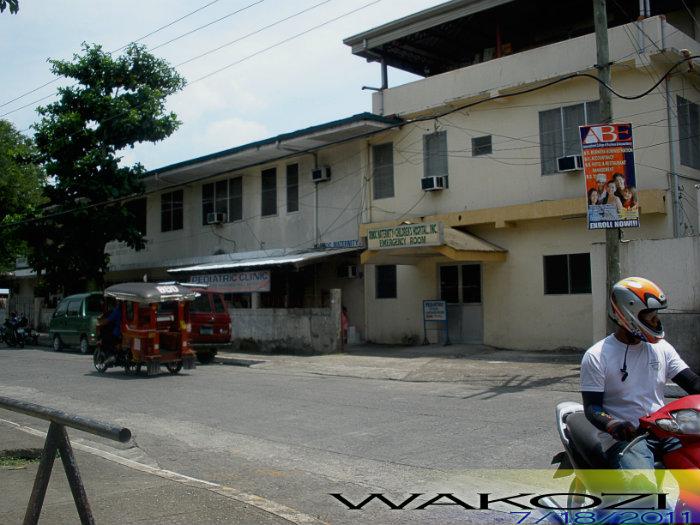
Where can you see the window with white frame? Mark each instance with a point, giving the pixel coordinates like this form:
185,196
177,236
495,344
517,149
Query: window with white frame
223,196
567,274
435,154
269,192
292,188
171,215
481,145
559,134
688,132
383,170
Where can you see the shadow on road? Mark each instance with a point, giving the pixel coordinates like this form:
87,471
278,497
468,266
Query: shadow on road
474,352
516,384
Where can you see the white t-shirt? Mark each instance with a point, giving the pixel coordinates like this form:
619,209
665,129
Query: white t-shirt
649,367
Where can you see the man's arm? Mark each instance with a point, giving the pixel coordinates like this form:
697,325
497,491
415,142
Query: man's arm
593,408
688,381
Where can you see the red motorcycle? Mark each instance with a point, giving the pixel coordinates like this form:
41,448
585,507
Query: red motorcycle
584,452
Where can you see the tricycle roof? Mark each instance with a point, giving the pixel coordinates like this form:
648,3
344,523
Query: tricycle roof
148,293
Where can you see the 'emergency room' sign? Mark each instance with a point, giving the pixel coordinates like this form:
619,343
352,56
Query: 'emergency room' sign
405,236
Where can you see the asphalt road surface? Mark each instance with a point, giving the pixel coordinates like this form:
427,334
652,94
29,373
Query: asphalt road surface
294,438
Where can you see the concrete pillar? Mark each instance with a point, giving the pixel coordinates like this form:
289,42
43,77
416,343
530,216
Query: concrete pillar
36,317
255,300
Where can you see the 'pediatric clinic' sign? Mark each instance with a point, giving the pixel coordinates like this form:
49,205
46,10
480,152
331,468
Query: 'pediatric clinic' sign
236,282
608,167
406,236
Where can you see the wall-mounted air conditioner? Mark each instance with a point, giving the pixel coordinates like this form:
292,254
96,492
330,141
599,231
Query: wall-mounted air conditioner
321,174
433,183
216,218
348,271
570,163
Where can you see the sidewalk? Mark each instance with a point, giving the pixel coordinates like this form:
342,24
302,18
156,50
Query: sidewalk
473,364
117,494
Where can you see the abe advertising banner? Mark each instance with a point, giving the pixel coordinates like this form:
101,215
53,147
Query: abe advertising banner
608,167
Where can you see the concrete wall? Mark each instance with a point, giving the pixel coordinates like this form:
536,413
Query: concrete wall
674,264
295,330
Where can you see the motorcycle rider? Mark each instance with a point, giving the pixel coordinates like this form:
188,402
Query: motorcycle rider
623,376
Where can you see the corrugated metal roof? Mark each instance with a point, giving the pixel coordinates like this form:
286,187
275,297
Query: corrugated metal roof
274,148
298,259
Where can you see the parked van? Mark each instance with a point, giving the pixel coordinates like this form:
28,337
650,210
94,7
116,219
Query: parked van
74,322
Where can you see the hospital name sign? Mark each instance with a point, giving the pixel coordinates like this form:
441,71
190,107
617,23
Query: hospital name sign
405,236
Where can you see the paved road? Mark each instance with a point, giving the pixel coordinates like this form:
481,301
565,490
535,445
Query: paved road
294,437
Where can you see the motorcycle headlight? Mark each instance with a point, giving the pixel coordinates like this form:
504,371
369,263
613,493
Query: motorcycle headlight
688,421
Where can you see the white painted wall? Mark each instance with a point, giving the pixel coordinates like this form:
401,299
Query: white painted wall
340,203
528,67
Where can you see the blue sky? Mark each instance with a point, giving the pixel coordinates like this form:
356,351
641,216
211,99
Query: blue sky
309,80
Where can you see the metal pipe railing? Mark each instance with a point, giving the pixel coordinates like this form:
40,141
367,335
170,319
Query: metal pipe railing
57,441
85,424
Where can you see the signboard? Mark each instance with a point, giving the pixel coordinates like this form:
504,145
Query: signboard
608,167
406,236
236,282
332,245
434,311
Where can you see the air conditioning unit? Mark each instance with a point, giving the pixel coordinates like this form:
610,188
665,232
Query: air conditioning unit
570,163
433,183
321,174
216,218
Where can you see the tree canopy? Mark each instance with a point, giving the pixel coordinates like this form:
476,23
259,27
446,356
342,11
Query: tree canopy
12,4
20,190
115,103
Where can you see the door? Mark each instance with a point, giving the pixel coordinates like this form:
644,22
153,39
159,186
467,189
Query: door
460,288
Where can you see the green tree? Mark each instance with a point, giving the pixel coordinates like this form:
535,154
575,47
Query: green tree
12,4
20,190
115,103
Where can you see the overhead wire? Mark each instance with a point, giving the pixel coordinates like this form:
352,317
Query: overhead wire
169,24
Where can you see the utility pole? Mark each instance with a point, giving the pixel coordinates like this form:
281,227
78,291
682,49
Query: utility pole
612,235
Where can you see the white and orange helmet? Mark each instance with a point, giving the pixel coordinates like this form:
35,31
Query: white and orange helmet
632,296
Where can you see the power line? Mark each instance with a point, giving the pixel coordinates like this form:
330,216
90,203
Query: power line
188,33
393,126
169,24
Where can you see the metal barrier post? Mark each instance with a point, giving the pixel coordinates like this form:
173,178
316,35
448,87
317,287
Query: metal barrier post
57,440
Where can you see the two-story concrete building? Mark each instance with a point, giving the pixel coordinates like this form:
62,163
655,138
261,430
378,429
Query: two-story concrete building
501,101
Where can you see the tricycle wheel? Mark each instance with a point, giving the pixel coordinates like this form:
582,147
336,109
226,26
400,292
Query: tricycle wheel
99,359
174,368
57,343
206,357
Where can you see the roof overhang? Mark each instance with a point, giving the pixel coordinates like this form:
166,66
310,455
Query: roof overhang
455,245
256,260
461,33
269,150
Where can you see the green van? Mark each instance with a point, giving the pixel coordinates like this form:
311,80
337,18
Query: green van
74,323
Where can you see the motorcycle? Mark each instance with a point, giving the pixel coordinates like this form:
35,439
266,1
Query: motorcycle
583,452
11,334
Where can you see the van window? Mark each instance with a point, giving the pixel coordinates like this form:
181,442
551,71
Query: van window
219,306
94,304
61,309
74,307
201,304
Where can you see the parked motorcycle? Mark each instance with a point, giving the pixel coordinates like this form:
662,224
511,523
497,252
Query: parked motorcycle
11,334
583,452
